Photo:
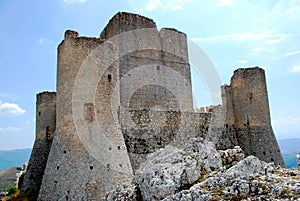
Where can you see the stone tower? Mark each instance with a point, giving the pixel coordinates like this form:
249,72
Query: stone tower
88,155
151,54
45,128
252,115
245,117
102,84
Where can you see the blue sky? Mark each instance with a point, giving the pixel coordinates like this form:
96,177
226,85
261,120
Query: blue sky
233,33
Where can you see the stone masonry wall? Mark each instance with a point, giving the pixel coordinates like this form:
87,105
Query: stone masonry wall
88,156
45,129
153,65
220,131
252,116
244,118
148,130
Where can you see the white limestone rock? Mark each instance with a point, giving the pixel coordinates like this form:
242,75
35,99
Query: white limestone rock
126,192
248,167
231,157
171,170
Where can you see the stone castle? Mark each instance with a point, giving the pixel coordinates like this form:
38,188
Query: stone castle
126,94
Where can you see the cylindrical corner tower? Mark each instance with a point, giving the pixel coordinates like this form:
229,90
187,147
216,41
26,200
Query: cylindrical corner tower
252,115
45,129
82,164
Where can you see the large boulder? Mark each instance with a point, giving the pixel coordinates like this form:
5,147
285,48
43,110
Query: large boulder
248,167
231,157
170,170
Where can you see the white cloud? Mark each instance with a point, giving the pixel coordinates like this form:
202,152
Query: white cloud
166,5
177,7
286,126
273,41
222,3
74,1
286,121
295,69
10,109
292,53
268,37
153,4
43,41
242,61
9,130
256,49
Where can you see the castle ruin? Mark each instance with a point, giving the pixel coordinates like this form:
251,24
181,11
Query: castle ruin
126,94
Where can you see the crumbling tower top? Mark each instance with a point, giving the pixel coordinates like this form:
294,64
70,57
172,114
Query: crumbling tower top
123,22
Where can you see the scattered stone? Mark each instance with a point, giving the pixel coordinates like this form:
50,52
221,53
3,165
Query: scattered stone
247,167
170,170
231,157
126,192
197,173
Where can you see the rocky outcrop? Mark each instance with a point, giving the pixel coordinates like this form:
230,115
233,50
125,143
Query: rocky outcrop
200,172
231,157
171,170
128,191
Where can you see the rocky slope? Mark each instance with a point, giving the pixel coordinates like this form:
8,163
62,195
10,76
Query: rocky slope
200,172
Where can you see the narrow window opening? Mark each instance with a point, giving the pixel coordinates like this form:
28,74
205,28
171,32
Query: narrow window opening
39,113
57,167
264,153
109,77
91,167
248,120
119,148
157,67
65,151
48,132
89,112
250,96
272,159
120,165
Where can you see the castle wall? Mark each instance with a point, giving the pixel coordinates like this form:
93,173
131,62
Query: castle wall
88,155
148,130
152,64
252,116
45,129
220,131
244,118
123,22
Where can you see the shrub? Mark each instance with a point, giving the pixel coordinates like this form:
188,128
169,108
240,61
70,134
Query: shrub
11,190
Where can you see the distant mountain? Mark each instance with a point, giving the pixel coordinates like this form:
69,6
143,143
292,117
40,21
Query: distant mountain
14,158
8,177
289,148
